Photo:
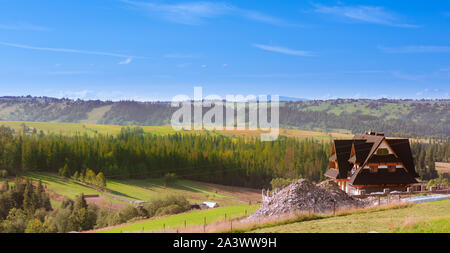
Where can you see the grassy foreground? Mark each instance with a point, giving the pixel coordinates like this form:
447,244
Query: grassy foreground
390,220
192,219
441,225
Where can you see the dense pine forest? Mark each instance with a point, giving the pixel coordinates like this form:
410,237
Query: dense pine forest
411,118
238,161
133,154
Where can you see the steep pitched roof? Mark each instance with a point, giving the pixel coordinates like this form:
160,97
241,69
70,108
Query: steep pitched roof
403,154
382,177
402,148
343,150
362,150
375,139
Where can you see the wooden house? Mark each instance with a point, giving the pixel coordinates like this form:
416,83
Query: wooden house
372,162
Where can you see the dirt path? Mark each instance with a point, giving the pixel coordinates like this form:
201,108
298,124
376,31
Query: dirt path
101,201
241,194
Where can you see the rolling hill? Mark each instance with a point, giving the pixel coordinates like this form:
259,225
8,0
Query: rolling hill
394,117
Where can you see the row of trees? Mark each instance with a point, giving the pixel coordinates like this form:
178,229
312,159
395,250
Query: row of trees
133,154
426,154
87,176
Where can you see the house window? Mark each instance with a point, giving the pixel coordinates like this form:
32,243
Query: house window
382,151
392,168
373,169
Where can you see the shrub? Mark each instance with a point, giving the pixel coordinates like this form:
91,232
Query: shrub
4,173
172,209
170,178
167,205
64,171
438,181
16,222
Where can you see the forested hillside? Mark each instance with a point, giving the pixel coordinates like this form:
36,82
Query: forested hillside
394,117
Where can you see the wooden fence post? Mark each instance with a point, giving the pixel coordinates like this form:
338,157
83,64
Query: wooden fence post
185,225
225,216
204,225
164,227
245,212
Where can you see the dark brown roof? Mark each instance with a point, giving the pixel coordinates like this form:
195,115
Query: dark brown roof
382,177
362,149
365,146
343,149
376,140
403,150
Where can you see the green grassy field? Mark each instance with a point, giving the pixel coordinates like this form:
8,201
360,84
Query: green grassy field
77,128
60,185
380,221
93,129
192,219
441,225
147,189
135,189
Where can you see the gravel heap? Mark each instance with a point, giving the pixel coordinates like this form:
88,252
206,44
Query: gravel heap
304,196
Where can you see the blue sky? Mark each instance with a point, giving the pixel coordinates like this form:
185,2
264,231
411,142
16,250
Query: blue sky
150,50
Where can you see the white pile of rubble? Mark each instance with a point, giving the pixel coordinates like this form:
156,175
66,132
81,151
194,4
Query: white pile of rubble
304,196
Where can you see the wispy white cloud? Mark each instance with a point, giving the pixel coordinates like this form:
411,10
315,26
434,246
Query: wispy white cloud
283,50
195,13
415,49
127,60
184,13
261,17
23,26
365,14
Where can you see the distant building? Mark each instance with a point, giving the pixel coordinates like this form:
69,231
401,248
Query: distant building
371,162
211,204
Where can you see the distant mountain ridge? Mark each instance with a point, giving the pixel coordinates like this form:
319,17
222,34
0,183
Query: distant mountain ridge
413,117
